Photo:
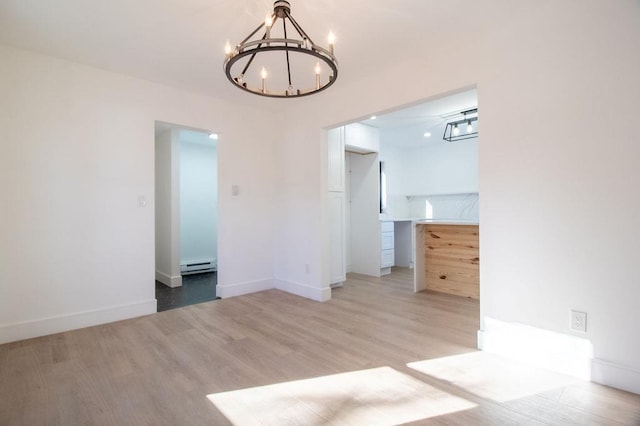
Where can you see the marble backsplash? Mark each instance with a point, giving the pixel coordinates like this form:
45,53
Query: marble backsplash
443,206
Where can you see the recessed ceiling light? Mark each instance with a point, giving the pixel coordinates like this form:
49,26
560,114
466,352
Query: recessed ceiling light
427,134
373,117
213,136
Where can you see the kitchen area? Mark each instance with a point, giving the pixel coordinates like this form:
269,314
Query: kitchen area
408,196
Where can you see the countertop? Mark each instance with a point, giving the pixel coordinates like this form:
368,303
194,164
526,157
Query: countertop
447,222
422,221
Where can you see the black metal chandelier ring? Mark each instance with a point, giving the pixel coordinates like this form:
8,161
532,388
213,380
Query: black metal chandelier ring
247,50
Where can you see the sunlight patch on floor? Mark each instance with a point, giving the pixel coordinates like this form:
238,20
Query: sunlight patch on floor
380,396
492,376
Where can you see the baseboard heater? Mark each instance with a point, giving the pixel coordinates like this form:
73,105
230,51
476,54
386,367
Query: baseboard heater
198,267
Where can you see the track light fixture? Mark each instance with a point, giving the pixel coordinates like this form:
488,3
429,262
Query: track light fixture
452,131
316,68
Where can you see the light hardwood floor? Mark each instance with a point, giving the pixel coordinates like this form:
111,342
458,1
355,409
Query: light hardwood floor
376,353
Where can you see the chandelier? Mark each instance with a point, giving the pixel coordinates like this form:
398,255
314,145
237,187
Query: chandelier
277,55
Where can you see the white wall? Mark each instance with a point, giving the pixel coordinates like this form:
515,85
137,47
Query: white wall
560,229
426,168
77,153
198,200
301,249
167,213
364,226
434,167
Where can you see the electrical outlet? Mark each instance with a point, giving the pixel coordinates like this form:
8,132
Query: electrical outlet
579,321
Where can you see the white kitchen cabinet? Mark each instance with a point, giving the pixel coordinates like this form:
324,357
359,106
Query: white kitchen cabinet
387,246
336,159
386,261
361,138
336,206
362,234
337,237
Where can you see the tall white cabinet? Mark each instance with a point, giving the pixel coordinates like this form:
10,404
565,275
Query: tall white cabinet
336,207
336,160
362,233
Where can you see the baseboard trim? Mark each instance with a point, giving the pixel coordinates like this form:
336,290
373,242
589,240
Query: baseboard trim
59,324
168,280
554,351
615,375
313,293
239,289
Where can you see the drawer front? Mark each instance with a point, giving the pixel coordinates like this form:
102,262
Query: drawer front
386,241
386,226
387,258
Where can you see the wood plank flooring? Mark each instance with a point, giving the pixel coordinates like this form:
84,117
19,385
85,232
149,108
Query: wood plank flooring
160,369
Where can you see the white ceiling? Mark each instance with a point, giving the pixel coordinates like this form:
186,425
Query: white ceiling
180,42
406,127
427,115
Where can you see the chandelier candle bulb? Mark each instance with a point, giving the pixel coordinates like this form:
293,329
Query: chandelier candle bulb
227,49
268,23
318,69
263,75
332,41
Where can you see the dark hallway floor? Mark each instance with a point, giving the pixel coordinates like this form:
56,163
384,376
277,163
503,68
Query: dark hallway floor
196,288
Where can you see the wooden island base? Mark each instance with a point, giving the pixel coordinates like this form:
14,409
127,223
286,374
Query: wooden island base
448,259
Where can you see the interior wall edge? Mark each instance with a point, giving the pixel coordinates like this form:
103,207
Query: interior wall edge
168,280
225,291
58,324
313,293
566,354
615,375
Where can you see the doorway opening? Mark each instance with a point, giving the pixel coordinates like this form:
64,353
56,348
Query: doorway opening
186,213
394,173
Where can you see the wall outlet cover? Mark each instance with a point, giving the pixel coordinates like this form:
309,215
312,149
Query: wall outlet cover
579,321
